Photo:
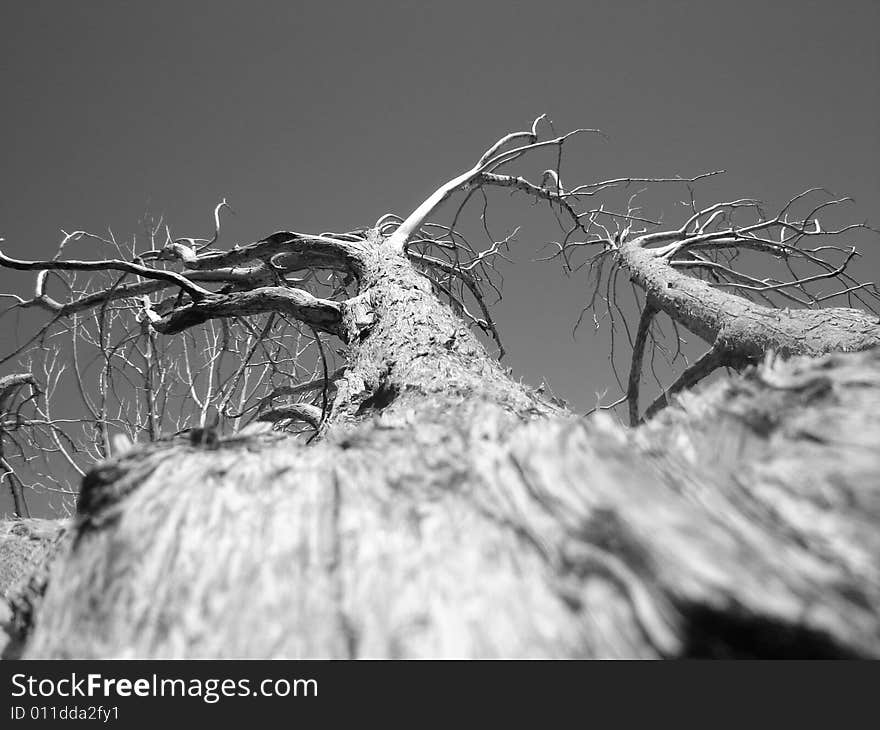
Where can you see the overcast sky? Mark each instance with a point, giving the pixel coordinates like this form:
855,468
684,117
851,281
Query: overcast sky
323,116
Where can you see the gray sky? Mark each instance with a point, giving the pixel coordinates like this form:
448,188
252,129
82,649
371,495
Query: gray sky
323,116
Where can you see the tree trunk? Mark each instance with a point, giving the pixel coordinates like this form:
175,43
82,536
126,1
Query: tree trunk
738,327
449,511
739,332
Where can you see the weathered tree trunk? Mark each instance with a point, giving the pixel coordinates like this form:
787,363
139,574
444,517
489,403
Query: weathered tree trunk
739,332
449,511
739,327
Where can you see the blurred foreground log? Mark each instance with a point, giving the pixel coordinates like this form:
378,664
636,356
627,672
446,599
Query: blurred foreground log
744,521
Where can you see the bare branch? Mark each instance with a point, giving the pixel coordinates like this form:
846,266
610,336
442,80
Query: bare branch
635,372
304,412
323,314
713,359
196,292
491,160
288,390
284,249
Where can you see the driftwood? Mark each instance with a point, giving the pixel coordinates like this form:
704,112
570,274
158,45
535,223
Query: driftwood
742,521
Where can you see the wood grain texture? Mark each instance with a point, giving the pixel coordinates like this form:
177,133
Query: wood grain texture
741,522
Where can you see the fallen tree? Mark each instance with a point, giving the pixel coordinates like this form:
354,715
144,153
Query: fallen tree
441,508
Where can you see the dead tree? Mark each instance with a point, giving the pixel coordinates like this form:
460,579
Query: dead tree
11,421
441,508
726,311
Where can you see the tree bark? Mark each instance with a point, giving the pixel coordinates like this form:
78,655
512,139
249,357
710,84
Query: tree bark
447,510
743,329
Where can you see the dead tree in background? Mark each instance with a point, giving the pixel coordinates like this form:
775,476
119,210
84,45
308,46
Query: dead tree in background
442,509
11,421
123,383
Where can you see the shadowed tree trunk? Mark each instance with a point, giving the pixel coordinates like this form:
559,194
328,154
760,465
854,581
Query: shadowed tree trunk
444,509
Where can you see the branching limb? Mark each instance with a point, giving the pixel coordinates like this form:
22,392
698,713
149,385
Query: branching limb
285,250
491,160
315,384
196,292
207,243
325,389
635,371
323,314
16,487
714,358
304,412
9,384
